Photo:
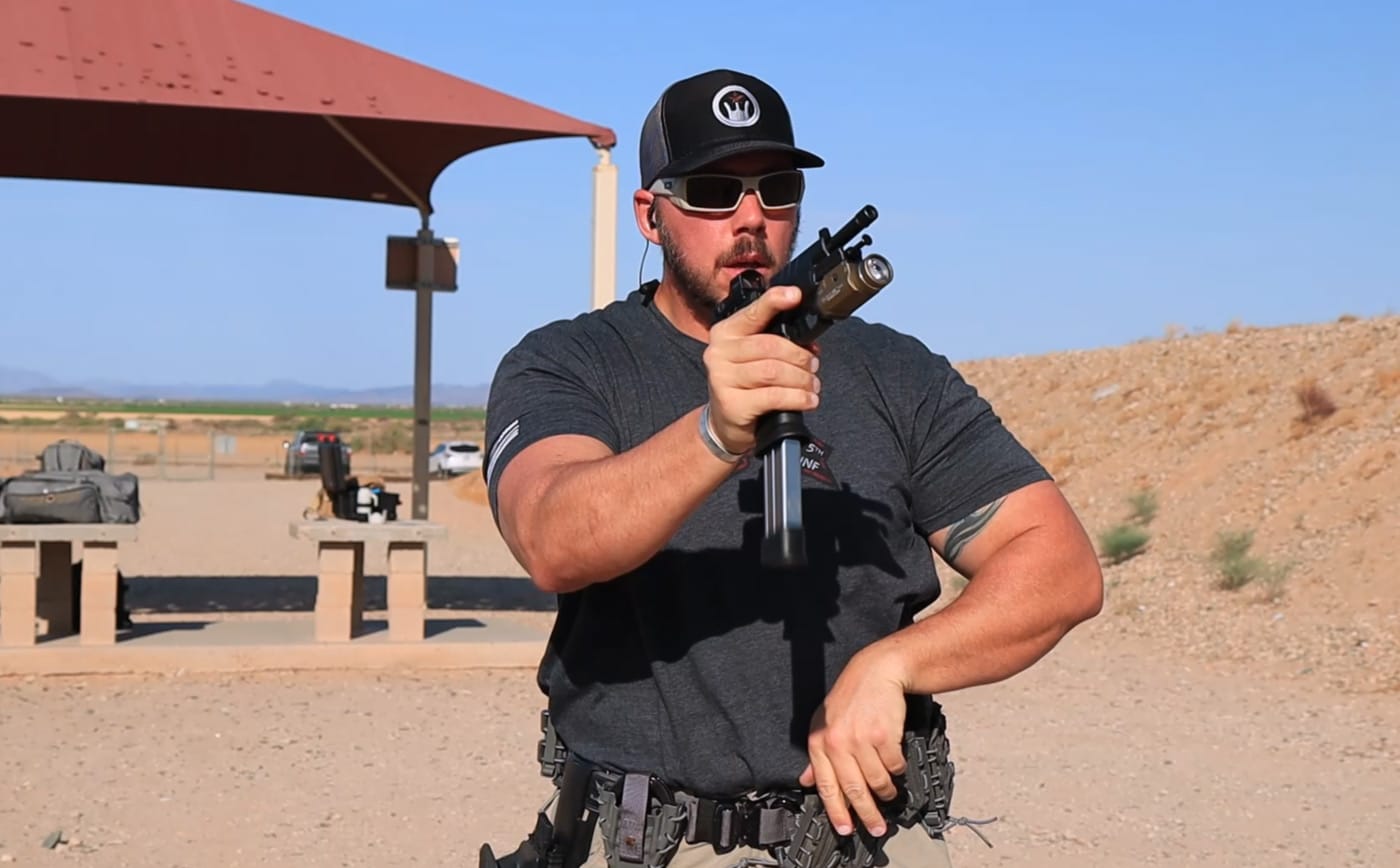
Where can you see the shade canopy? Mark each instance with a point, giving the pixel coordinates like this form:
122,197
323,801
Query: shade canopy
219,94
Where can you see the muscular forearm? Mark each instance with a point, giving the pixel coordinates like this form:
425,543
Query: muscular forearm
590,521
1019,605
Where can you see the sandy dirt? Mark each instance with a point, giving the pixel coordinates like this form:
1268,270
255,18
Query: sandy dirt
1185,726
1103,755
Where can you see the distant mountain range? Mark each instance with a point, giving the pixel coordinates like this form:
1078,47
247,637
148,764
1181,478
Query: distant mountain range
20,383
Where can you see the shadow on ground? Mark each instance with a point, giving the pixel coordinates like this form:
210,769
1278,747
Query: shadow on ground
434,627
176,594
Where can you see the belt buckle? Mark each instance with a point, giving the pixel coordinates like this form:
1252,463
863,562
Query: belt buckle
786,803
713,824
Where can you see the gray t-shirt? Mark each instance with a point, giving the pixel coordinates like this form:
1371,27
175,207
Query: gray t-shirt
702,667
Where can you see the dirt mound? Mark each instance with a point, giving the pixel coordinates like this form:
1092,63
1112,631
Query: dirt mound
471,487
1287,437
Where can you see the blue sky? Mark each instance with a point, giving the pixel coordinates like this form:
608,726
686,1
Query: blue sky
1049,176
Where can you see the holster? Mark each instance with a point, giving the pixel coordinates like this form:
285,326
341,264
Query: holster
532,852
925,797
563,843
641,821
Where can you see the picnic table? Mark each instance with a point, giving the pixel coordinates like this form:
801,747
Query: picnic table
340,576
36,581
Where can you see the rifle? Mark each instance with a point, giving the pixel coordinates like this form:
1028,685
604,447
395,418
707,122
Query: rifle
834,283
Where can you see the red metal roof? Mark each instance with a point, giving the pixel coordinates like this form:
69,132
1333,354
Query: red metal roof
216,93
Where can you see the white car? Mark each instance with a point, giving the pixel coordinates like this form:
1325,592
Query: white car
454,458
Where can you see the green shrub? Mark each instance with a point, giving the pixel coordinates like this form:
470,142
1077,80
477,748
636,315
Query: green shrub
1232,560
1238,568
1120,543
1144,504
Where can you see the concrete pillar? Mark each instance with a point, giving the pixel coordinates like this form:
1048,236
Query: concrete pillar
604,230
99,594
407,590
340,591
18,593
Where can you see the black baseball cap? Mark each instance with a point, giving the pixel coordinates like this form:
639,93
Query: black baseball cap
715,115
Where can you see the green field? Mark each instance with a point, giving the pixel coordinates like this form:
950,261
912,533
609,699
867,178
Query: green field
278,411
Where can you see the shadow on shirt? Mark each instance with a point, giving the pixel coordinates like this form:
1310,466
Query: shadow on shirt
639,626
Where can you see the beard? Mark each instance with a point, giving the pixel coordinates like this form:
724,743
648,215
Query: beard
698,290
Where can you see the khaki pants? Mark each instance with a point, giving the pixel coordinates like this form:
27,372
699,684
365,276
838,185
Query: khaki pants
908,848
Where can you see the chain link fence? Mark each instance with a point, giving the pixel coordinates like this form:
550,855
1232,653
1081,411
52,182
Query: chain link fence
170,453
158,453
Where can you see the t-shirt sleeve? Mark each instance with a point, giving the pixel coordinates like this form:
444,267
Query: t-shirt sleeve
547,385
963,457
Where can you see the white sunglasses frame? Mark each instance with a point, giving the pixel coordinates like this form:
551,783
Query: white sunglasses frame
667,187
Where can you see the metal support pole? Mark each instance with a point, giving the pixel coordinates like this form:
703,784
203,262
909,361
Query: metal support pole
423,371
423,325
604,230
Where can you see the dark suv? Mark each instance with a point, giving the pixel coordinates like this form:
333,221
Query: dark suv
304,452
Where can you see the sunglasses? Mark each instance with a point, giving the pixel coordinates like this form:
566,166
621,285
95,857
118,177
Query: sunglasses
719,194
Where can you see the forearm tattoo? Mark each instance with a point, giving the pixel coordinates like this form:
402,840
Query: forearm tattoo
964,531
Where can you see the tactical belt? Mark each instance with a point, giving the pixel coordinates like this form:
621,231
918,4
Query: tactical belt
643,819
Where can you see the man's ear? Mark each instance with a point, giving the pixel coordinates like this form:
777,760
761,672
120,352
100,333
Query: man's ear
644,207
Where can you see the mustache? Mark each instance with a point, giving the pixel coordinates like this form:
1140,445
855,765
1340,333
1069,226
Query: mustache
749,247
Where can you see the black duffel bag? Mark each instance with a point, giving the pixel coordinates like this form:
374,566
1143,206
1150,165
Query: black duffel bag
38,500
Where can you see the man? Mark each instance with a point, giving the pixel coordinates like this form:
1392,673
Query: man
620,475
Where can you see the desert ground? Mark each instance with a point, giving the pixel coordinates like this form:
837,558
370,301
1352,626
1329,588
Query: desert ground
1186,725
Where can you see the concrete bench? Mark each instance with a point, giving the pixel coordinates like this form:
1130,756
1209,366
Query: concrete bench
340,575
36,591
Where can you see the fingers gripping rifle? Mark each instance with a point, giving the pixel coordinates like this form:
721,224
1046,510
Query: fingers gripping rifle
834,283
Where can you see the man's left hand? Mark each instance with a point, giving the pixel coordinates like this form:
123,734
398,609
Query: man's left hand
857,742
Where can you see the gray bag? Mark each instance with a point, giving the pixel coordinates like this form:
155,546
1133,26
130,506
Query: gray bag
65,455
63,498
32,500
119,495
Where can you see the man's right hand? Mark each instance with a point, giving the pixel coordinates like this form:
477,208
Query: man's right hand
752,373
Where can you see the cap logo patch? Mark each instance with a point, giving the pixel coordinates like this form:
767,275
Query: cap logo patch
734,106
